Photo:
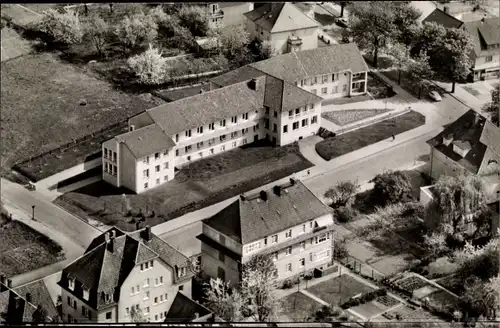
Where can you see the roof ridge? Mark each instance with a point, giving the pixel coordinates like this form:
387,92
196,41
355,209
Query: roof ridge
102,267
166,243
298,10
300,62
139,243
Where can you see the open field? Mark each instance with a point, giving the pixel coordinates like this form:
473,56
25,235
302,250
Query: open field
298,307
354,140
24,249
42,106
340,289
13,44
344,117
203,183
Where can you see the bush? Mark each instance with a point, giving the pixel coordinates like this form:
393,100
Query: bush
63,27
134,30
391,187
346,213
340,250
149,66
367,297
195,19
287,283
342,194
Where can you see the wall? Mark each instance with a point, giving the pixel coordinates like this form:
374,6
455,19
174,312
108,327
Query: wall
233,12
76,313
102,315
292,135
128,177
113,146
164,174
426,195
440,164
211,261
334,85
279,40
215,235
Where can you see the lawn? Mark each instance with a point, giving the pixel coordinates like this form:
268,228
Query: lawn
298,307
346,100
203,183
173,95
378,88
13,45
472,91
24,249
340,289
357,139
344,117
410,86
42,106
369,309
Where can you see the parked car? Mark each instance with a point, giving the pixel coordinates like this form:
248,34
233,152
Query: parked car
342,22
434,95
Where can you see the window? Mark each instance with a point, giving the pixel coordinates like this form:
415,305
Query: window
177,137
71,284
157,168
223,148
156,317
161,280
324,79
199,130
133,291
146,160
105,152
244,131
85,311
245,116
155,301
146,282
74,304
146,310
161,315
69,301
267,110
290,113
274,239
222,257
324,91
305,122
320,239
199,144
297,111
223,123
127,310
488,58
234,134
303,229
275,114
188,133
275,128
146,185
108,315
266,123
314,120
314,91
288,234
322,255
158,181
161,298
211,151
165,178
177,152
187,148
275,256
157,155
252,247
344,87
301,83
165,165
255,128
289,267
285,128
302,262
244,141
288,251
181,287
222,137
165,152
335,89
234,119
211,126
314,80
86,294
295,125
145,173
234,144
114,157
146,297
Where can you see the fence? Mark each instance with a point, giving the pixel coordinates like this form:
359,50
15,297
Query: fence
364,270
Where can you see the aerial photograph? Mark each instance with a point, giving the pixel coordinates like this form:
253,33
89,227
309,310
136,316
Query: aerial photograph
250,164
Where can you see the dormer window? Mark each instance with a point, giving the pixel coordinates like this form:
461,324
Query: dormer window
86,294
182,272
108,298
71,284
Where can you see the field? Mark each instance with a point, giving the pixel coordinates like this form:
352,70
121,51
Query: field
340,289
24,249
298,307
42,106
13,45
204,183
357,139
344,117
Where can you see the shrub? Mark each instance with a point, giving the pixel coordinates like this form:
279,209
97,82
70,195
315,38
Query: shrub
195,19
346,213
391,187
149,66
342,194
287,283
132,31
63,26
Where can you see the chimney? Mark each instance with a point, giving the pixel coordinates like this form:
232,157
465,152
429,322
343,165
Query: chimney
111,242
113,234
476,118
106,237
254,84
263,195
196,315
9,283
292,181
242,197
202,91
147,233
28,297
445,9
277,190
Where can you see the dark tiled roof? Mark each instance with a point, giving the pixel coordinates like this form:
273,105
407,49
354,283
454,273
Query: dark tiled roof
238,75
280,17
440,17
102,270
481,136
299,65
484,33
146,140
252,218
184,309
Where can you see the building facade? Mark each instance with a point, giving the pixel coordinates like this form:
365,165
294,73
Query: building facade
227,13
285,26
124,278
287,223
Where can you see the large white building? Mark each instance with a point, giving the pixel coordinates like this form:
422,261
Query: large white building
278,99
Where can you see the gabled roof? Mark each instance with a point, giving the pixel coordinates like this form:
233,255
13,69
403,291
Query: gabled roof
280,17
250,218
484,33
184,309
146,140
103,269
295,66
440,17
470,129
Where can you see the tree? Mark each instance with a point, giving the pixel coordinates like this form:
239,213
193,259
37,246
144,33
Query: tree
63,27
493,107
39,315
420,71
391,187
97,30
134,30
459,209
137,315
258,288
149,66
450,51
436,243
195,19
226,303
406,23
230,40
342,194
371,24
401,58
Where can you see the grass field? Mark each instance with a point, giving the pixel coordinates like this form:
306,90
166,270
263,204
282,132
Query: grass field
298,307
13,45
344,117
357,139
41,107
340,289
204,183
24,249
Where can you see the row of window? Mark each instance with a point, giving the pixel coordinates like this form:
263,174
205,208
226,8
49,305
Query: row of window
157,182
211,126
335,89
319,79
302,246
319,256
110,168
145,173
146,266
147,311
109,154
297,111
157,156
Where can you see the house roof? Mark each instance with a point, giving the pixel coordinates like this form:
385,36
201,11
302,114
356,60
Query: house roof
250,218
295,66
482,137
146,140
484,33
101,269
184,309
40,296
280,17
440,17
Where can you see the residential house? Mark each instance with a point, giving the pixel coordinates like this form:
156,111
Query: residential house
124,277
287,222
284,25
184,309
442,17
470,145
28,303
227,13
